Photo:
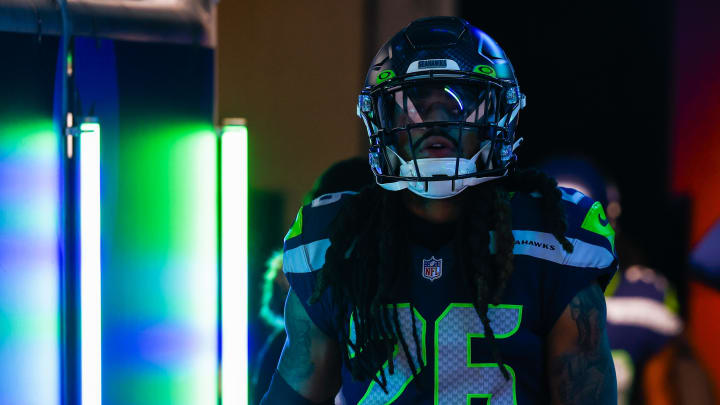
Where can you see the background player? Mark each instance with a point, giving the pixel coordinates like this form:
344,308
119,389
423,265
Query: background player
349,174
642,306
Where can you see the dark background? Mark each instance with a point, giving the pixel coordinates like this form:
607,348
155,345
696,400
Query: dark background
598,80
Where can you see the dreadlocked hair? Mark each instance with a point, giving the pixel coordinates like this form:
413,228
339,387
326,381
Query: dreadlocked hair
369,256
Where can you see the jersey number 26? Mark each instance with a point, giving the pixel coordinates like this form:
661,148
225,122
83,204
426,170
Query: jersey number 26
457,379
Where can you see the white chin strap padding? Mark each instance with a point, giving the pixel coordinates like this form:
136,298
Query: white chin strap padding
436,166
439,166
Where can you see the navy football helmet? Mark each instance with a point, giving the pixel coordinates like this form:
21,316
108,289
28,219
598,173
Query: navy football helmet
440,104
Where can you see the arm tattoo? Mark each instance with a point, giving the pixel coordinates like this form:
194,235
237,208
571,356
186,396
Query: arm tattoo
585,374
296,364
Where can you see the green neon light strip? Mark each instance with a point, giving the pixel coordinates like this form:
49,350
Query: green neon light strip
160,218
234,261
90,300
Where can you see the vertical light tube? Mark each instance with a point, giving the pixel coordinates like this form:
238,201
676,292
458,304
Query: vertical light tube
90,318
234,262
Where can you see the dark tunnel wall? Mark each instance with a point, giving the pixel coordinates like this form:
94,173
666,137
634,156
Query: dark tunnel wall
597,77
633,87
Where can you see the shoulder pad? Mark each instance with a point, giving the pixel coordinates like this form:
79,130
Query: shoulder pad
589,231
308,238
587,220
571,195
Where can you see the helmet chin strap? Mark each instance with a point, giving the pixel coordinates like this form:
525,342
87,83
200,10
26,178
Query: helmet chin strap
429,167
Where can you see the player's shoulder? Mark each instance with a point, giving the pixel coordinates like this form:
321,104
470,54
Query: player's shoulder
586,219
588,230
308,238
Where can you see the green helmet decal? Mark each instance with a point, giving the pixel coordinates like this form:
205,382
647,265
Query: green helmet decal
485,70
596,221
385,75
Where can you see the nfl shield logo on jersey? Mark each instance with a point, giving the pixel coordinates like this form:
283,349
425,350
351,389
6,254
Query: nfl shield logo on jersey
432,268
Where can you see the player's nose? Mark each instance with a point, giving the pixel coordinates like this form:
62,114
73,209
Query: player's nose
438,112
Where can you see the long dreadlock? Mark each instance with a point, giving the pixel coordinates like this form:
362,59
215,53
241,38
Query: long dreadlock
369,256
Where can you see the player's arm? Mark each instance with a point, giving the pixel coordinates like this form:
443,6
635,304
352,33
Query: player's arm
580,366
309,366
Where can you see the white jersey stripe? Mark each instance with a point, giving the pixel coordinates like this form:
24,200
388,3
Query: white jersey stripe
643,312
306,258
542,245
573,198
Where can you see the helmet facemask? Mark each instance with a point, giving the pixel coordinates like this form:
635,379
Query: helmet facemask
437,134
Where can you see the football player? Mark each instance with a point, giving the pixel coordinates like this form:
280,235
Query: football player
457,279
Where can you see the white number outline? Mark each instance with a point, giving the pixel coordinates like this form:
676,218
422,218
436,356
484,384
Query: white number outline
469,336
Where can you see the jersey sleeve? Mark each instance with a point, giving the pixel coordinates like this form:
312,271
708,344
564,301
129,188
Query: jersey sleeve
304,255
593,258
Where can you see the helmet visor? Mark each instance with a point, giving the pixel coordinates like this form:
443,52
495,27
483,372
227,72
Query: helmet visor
431,119
431,101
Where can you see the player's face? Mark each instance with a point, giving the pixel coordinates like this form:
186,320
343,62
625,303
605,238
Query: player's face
435,114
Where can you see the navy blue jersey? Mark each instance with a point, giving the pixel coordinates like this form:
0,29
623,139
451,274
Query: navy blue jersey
456,363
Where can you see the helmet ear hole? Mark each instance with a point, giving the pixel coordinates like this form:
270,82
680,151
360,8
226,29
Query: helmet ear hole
365,104
511,95
375,163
